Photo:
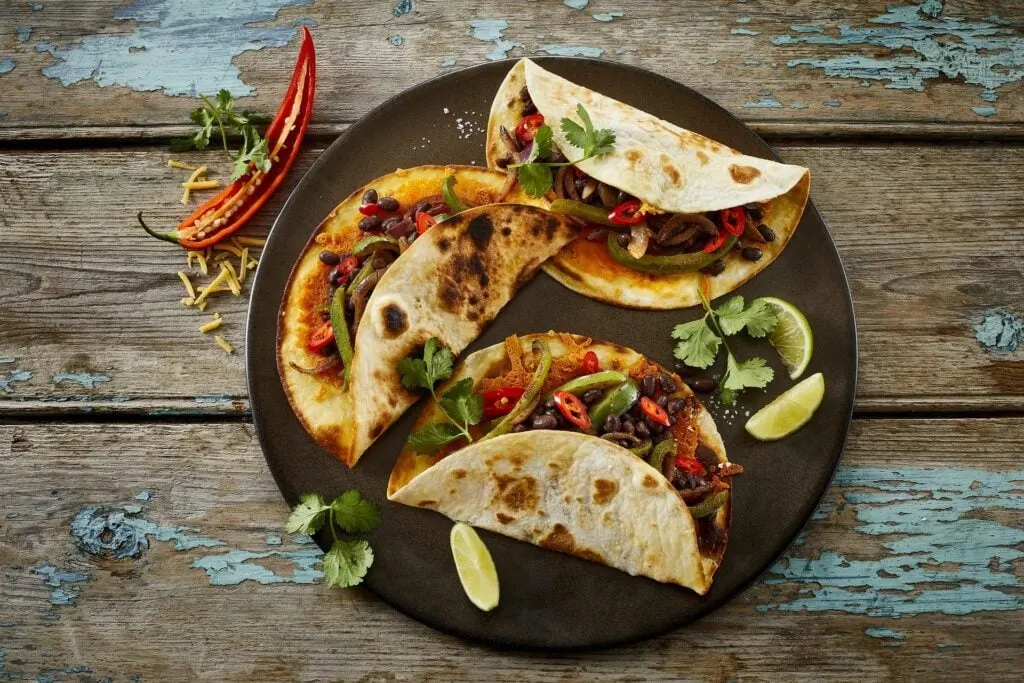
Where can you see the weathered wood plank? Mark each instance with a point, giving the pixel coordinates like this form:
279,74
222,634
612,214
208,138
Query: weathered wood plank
950,67
929,236
911,570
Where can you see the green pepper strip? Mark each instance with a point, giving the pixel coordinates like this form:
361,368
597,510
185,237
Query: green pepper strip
526,401
450,198
669,263
596,380
174,237
642,450
709,505
372,243
586,212
660,451
616,401
341,337
360,275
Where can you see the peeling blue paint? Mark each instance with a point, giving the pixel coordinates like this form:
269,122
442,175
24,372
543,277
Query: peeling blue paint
446,63
984,111
143,495
751,62
806,28
213,398
100,531
6,65
708,62
132,508
576,4
302,540
397,40
63,581
402,8
38,7
273,540
8,359
86,380
744,32
832,103
571,50
879,632
943,645
491,30
608,16
766,102
922,47
941,551
166,30
24,33
1000,332
743,20
798,105
235,566
8,379
989,96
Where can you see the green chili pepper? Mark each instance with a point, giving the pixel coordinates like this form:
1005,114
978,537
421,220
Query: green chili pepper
586,212
360,275
642,450
530,396
441,217
663,448
450,198
174,237
709,505
596,380
668,263
340,326
616,401
372,243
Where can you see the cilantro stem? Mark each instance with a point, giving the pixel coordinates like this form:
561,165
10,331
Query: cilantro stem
714,321
463,428
331,523
220,121
552,164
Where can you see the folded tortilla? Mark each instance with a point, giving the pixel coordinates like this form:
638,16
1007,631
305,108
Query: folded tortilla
450,283
569,491
668,167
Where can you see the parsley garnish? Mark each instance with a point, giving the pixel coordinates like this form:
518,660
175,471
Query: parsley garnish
699,343
221,114
347,562
462,407
536,177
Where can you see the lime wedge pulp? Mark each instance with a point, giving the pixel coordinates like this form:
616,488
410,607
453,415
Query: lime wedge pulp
792,336
789,411
476,568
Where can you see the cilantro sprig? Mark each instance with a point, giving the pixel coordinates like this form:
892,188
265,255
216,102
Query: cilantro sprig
347,562
700,340
218,116
535,175
460,405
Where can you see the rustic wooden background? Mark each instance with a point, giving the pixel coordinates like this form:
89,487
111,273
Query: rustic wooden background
118,417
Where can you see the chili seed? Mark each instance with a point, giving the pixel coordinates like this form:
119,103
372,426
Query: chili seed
767,233
388,204
668,385
662,400
370,223
642,430
370,196
751,253
545,422
612,424
329,258
589,397
715,268
705,385
648,385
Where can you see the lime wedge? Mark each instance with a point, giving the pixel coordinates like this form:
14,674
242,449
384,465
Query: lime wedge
476,568
789,411
792,336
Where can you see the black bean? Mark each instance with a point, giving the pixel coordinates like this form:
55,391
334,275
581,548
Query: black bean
668,385
370,196
329,258
612,423
662,400
715,268
545,422
751,253
642,430
648,385
519,428
623,239
524,94
675,405
529,109
550,404
754,211
705,385
636,410
334,279
628,427
767,233
504,161
589,397
370,224
388,204
655,427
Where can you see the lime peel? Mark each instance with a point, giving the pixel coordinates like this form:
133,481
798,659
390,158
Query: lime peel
789,411
792,337
475,566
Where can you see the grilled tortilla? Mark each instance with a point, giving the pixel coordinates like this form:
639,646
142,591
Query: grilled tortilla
569,491
671,169
449,283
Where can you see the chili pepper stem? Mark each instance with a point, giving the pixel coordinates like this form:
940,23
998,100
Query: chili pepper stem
171,237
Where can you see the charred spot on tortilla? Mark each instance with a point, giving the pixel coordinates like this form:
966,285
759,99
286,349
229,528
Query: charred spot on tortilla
702,157
604,491
650,482
377,429
444,244
459,474
559,539
672,172
480,230
517,493
552,228
743,174
395,321
484,279
506,231
504,519
632,156
427,504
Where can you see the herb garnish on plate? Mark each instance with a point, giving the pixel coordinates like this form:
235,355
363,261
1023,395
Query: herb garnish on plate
347,562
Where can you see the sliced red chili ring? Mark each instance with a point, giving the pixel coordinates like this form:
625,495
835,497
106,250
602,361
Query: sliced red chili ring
715,241
627,213
590,364
690,465
528,127
733,220
572,409
654,411
424,222
323,336
500,402
369,209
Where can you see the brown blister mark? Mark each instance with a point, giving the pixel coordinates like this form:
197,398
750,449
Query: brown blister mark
672,172
459,474
702,157
484,280
377,429
517,493
632,156
444,245
561,540
480,230
607,519
604,491
506,231
743,174
504,519
650,482
395,321
427,504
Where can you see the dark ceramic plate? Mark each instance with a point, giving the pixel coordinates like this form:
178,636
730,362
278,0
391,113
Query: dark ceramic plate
549,600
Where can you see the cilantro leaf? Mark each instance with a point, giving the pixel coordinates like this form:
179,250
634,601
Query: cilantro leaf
536,179
433,436
346,563
308,516
750,373
541,144
461,404
254,151
425,372
698,343
592,142
758,317
354,514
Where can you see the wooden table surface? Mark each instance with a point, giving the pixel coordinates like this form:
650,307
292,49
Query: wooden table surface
141,535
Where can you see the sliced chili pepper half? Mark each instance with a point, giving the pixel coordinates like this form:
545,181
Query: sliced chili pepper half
590,364
715,241
689,465
424,222
500,402
627,213
572,409
654,411
323,336
733,220
528,127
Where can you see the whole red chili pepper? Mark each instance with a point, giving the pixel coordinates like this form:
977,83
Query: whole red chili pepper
627,213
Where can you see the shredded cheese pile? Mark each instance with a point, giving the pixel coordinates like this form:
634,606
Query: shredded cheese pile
196,181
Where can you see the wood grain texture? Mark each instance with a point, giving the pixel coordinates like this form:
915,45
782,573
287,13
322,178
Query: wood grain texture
929,67
186,608
929,236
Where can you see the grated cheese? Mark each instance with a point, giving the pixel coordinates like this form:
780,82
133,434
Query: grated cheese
192,178
222,343
180,164
250,241
212,325
188,285
236,287
221,278
228,248
243,266
201,185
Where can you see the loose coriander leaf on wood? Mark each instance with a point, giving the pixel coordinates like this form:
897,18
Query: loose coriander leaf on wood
346,563
355,514
433,436
698,344
308,516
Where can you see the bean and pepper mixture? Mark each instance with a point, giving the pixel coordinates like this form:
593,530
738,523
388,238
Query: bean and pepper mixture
640,239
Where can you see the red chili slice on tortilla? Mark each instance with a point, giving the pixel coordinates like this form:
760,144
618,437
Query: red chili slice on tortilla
733,220
590,364
654,411
424,222
572,409
528,127
500,402
323,336
690,465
